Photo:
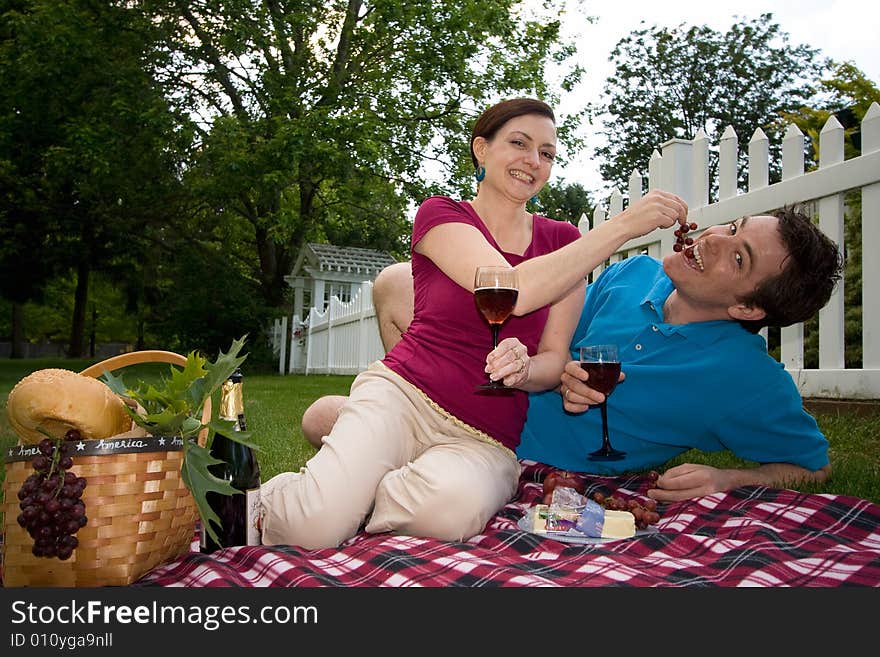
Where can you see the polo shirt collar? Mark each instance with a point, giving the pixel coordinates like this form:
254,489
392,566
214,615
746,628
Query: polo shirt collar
702,333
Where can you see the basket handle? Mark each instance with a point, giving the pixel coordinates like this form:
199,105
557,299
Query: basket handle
148,356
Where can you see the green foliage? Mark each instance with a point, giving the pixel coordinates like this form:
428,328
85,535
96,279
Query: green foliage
319,120
89,148
139,142
174,408
670,82
846,93
565,202
207,298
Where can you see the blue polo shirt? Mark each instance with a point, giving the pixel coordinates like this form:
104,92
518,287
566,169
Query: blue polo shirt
709,385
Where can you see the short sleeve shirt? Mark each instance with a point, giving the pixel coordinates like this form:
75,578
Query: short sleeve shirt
443,352
705,385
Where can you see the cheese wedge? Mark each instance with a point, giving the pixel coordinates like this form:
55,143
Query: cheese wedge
598,522
593,521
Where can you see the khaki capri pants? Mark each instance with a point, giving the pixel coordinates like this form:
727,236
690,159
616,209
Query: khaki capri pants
395,456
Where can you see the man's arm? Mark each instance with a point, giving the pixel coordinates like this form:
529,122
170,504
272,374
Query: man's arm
691,480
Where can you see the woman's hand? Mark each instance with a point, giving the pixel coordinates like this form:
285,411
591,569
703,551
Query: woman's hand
577,395
656,209
510,362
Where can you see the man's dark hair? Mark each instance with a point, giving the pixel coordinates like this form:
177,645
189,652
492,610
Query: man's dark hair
810,272
491,120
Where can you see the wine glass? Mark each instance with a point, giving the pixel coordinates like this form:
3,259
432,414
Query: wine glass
603,365
495,293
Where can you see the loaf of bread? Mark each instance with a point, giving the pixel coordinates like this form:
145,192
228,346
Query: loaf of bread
57,400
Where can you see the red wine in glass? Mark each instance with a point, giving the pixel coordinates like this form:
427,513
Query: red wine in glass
602,363
495,293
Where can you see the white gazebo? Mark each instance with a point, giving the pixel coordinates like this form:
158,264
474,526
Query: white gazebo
324,270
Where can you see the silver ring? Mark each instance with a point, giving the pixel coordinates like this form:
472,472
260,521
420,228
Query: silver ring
522,365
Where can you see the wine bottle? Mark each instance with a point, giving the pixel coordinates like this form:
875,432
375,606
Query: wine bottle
239,513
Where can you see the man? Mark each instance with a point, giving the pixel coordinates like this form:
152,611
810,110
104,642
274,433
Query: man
695,375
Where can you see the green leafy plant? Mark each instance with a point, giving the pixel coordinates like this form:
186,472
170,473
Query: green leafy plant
175,408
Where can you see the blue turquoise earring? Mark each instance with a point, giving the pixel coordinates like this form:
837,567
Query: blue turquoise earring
534,200
480,173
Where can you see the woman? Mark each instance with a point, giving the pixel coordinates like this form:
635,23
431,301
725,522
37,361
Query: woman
415,450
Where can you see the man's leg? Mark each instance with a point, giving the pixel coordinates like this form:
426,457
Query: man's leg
320,417
393,300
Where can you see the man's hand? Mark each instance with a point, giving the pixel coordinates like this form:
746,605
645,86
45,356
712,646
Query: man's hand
689,480
577,395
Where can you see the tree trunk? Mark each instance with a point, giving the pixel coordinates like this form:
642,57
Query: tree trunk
78,327
17,330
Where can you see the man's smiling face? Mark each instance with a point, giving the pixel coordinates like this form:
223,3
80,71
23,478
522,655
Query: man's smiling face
726,263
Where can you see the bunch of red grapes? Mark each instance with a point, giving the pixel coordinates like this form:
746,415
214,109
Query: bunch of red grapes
645,512
681,239
51,508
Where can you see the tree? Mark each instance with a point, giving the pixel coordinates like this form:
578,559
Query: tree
317,117
846,93
565,202
671,82
90,150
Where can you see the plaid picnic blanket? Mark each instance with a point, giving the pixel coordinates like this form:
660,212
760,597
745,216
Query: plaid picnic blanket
751,536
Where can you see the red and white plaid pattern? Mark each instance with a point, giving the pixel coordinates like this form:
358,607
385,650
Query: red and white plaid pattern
752,536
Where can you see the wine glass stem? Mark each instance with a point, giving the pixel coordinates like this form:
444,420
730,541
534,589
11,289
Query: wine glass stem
495,329
606,443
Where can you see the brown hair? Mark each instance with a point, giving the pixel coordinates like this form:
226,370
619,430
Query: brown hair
812,268
491,120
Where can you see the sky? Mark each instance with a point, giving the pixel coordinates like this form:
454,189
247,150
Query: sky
842,30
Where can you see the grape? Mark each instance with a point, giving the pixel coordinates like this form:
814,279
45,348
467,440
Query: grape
51,508
645,513
680,236
40,464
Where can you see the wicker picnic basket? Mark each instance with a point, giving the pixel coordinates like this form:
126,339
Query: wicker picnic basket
140,513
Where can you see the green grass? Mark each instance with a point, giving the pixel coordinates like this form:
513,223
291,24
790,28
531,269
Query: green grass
274,405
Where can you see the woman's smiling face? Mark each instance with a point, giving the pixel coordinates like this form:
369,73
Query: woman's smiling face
520,156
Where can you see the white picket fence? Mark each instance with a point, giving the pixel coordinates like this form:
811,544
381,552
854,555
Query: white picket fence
341,339
344,338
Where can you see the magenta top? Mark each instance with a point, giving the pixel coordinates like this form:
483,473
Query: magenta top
443,353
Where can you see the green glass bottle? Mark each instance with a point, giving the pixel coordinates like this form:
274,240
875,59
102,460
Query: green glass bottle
239,514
